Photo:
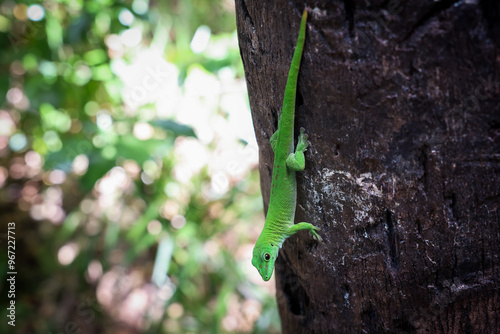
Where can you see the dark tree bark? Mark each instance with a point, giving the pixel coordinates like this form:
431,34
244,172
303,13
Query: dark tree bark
401,101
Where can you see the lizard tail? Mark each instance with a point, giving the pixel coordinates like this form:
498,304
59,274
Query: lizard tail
288,111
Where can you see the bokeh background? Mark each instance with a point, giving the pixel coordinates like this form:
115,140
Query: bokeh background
129,167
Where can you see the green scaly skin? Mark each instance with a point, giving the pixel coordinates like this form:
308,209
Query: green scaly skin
279,223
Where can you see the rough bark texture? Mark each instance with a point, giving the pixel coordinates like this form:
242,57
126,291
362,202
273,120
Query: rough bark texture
401,102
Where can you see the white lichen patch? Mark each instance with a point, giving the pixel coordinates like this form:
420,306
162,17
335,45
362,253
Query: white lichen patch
319,13
339,186
365,181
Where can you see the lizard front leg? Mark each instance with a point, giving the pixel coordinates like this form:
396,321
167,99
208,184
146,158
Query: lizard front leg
296,161
303,226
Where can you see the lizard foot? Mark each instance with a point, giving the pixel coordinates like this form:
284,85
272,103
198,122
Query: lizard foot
302,143
314,232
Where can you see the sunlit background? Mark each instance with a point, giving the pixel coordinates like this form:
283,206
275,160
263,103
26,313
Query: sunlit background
129,166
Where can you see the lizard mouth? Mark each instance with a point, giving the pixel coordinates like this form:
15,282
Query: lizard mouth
266,273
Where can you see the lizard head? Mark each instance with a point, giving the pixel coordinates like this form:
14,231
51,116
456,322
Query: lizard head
264,256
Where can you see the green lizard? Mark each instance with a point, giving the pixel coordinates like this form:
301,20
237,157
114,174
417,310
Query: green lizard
279,223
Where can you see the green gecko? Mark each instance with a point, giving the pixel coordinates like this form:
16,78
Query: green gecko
280,218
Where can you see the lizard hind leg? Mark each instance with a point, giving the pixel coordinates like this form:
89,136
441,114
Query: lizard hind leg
302,143
304,226
274,140
296,161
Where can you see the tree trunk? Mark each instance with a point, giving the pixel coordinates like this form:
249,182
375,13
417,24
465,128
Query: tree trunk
401,102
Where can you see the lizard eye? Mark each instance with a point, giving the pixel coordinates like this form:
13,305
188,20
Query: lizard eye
267,256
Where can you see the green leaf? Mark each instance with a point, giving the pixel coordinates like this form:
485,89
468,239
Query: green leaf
54,119
129,147
72,147
54,32
95,57
177,128
98,167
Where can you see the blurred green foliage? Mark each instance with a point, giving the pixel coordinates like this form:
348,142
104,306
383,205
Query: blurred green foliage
129,167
